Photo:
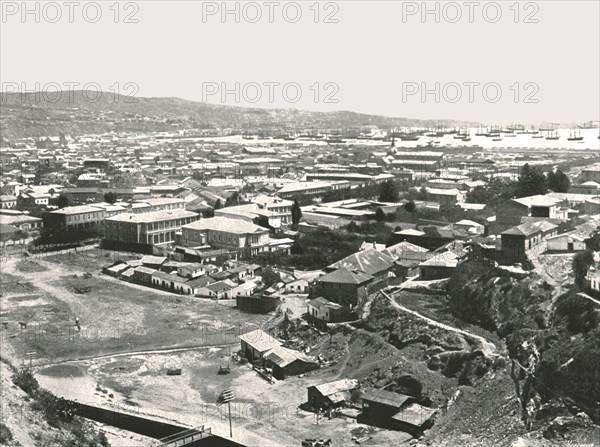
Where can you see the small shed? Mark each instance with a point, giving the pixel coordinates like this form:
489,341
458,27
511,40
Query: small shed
255,344
381,405
287,362
414,418
331,394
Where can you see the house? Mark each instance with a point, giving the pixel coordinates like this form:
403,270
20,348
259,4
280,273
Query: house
76,218
441,265
414,419
244,289
286,362
586,188
310,189
325,310
146,229
565,242
197,284
171,282
344,286
20,220
297,286
380,405
430,237
471,226
153,262
191,270
8,202
332,394
143,275
218,290
371,261
256,344
517,241
223,232
511,212
593,279
407,258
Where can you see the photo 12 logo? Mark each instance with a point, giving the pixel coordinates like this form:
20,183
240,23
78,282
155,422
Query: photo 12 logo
69,12
471,12
470,91
269,92
270,12
54,92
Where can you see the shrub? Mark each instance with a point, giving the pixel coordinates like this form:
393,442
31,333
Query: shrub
5,434
26,381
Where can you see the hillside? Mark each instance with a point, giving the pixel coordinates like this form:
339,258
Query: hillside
33,115
552,340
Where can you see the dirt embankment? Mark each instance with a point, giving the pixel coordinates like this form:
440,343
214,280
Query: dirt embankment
29,419
552,338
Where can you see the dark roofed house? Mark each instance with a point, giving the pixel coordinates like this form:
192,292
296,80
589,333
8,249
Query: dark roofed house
287,362
344,286
369,261
396,411
518,241
380,405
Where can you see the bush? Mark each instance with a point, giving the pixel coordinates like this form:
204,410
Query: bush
55,408
5,434
26,381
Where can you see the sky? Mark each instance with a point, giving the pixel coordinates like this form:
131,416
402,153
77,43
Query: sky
494,62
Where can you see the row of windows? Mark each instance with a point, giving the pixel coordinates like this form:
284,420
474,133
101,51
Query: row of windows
169,224
88,216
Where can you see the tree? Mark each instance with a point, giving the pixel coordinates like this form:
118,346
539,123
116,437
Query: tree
263,221
410,206
296,213
379,215
558,181
352,227
218,205
234,200
389,192
269,277
531,182
581,264
110,197
593,242
62,201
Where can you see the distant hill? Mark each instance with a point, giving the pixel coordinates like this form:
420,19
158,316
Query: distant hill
78,113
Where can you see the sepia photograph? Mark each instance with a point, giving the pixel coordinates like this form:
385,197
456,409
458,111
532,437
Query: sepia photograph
300,223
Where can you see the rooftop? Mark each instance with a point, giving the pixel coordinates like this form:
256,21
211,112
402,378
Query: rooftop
386,397
227,225
154,216
259,340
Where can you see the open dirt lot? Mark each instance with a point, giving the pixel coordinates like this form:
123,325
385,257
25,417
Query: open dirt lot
131,335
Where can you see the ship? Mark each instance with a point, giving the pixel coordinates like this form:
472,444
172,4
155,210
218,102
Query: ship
575,136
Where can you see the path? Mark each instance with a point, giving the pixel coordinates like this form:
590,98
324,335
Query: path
487,347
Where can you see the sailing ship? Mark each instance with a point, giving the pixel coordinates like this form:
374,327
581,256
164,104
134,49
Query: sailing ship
575,136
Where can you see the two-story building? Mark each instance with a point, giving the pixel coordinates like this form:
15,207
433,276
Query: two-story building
76,218
223,232
154,228
518,241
